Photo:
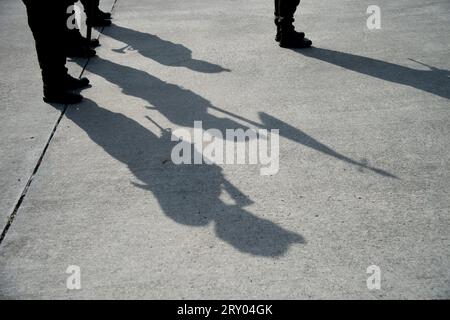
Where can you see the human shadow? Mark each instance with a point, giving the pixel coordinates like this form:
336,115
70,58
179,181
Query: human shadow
435,81
188,194
162,51
182,107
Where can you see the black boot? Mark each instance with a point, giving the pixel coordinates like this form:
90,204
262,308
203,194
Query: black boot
71,83
291,27
58,95
288,37
278,36
293,39
284,20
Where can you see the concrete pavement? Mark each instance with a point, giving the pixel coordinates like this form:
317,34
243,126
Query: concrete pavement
364,160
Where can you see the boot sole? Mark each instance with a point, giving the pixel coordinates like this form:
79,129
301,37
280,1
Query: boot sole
303,46
278,37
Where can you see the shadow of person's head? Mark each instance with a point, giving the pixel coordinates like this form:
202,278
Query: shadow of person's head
162,51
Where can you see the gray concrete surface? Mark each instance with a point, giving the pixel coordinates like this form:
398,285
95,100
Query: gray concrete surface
364,157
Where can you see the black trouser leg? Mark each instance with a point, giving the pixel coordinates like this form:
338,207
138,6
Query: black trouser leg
87,3
284,13
47,21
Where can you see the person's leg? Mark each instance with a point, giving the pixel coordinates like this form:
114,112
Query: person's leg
51,59
284,20
276,19
97,18
75,45
289,12
47,21
78,46
285,10
277,11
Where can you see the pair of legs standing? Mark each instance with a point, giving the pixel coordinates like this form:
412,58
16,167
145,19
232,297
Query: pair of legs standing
284,21
48,23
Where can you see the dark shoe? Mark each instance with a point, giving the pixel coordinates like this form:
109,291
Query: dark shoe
98,22
103,15
63,97
294,40
278,36
71,83
80,51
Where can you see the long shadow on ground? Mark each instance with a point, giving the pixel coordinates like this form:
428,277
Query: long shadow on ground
182,107
435,81
188,194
